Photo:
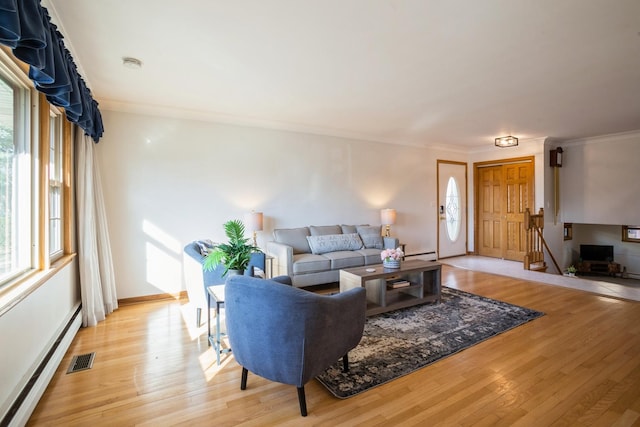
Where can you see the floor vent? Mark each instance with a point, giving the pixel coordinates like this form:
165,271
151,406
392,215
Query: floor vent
81,362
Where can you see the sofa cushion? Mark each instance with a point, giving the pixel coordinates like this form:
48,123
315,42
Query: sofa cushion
345,259
310,263
323,230
371,236
334,242
294,237
371,256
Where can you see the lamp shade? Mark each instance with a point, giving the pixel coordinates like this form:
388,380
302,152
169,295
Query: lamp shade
253,221
388,216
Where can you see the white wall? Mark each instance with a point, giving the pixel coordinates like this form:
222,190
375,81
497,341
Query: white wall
170,181
30,328
599,179
598,182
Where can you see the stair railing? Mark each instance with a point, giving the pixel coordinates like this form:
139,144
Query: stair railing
535,243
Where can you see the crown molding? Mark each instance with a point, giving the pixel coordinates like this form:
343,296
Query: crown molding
612,137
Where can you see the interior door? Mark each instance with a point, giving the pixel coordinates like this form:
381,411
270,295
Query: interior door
490,215
504,193
517,198
452,209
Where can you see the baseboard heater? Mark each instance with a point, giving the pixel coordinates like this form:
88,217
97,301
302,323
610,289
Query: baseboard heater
21,409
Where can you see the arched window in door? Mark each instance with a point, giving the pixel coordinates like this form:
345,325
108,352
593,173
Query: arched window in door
452,212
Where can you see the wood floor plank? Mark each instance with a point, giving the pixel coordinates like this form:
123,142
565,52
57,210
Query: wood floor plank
577,365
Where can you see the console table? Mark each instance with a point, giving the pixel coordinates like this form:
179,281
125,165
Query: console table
423,279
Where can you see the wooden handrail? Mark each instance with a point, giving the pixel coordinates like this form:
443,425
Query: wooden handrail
534,246
544,242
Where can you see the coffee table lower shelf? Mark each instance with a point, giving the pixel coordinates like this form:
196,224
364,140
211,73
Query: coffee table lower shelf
423,276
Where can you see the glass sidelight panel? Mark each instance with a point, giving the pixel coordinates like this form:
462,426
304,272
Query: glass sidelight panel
452,212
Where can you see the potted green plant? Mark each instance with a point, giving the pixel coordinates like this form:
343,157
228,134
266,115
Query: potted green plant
571,270
234,255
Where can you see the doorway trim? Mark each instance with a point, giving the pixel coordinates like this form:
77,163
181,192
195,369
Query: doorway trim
439,202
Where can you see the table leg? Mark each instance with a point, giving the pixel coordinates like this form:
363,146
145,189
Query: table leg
215,338
208,318
218,344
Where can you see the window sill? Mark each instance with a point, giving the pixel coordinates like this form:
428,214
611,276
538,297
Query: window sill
12,293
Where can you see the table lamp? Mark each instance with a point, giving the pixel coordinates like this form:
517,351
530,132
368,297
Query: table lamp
254,222
387,217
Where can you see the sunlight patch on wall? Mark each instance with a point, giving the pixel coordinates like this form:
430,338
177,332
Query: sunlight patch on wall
163,270
160,236
163,259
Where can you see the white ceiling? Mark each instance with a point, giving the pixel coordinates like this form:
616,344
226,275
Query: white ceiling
423,72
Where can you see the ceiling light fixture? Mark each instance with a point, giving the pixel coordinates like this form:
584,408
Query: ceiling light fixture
130,62
507,141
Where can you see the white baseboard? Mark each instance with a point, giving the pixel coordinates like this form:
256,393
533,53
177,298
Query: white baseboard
30,401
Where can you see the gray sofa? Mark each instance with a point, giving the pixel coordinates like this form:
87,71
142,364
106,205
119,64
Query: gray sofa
314,255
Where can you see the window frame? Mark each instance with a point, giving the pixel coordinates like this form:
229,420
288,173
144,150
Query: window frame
23,205
56,181
625,233
34,133
568,231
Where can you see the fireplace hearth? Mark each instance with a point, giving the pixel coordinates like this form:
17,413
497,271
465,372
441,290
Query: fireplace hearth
597,259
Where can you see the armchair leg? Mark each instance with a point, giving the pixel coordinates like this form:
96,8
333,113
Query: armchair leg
243,381
303,401
198,316
345,363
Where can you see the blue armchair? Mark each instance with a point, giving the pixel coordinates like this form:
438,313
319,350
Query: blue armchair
197,280
290,335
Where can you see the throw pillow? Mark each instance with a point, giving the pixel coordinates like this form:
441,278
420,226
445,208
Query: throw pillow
349,229
334,242
371,236
204,246
322,230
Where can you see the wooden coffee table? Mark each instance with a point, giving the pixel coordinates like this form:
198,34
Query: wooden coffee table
423,286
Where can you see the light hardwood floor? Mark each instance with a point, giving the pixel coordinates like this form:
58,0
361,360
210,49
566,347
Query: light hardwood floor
577,365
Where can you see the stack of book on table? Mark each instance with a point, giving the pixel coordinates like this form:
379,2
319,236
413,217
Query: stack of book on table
398,283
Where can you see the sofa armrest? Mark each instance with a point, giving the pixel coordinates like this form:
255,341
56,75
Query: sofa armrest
285,280
283,259
391,242
338,323
193,280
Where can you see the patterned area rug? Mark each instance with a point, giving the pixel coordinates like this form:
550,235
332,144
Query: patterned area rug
399,342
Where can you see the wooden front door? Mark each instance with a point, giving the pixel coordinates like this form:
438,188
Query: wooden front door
504,192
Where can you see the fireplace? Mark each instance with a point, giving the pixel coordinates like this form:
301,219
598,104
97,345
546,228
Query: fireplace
596,253
597,259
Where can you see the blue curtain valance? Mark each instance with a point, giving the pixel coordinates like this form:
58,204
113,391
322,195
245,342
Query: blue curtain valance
26,27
